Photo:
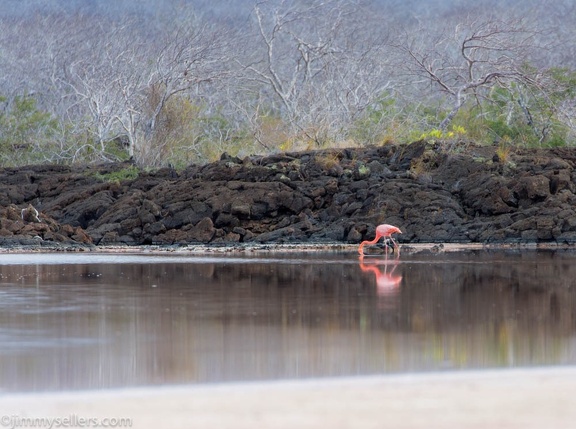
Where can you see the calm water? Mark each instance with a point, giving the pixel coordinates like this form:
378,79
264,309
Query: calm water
84,321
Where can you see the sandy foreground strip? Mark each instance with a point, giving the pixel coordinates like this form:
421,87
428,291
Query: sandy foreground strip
524,398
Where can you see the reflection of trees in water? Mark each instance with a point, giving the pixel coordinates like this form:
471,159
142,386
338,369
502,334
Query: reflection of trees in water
174,322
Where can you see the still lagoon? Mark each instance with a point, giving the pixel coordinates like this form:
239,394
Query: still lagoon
96,320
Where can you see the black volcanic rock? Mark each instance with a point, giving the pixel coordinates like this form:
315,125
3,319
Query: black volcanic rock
320,196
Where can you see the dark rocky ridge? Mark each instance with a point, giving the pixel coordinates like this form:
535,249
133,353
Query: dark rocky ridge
466,195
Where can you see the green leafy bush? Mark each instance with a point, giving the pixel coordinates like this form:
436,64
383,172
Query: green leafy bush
129,173
24,129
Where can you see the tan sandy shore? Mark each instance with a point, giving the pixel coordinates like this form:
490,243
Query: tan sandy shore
523,398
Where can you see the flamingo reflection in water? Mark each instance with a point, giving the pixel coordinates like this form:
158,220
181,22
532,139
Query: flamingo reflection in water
387,283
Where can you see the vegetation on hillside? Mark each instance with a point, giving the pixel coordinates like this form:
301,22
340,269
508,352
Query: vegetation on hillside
180,82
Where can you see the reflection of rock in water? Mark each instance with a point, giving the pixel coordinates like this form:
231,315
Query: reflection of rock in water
554,307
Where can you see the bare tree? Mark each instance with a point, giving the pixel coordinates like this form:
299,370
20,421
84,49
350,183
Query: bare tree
191,57
307,70
101,72
476,55
121,85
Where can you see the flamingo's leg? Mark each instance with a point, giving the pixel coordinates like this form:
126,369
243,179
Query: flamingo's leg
396,246
390,244
386,243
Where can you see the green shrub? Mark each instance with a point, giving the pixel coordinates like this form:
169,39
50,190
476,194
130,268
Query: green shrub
24,130
129,173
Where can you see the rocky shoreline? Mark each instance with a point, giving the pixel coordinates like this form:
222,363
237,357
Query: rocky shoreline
468,195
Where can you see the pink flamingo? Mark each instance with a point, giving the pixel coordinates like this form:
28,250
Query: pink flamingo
385,231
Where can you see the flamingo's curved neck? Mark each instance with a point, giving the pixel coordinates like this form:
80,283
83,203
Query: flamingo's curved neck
361,248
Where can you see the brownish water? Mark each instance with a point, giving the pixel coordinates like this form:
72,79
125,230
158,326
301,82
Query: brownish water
90,321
